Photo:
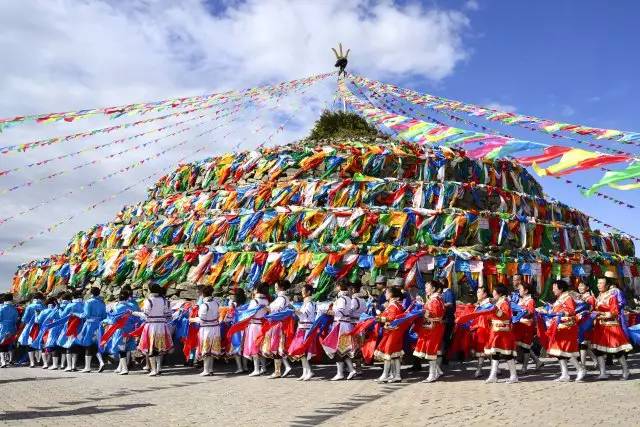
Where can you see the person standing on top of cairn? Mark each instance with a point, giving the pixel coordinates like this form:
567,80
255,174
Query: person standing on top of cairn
209,340
274,341
339,342
341,60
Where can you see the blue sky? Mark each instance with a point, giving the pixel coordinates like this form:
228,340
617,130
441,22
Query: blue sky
554,60
573,61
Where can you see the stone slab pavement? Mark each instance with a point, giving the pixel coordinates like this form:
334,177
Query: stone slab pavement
180,397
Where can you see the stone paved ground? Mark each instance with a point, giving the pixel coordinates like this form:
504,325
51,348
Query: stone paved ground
40,397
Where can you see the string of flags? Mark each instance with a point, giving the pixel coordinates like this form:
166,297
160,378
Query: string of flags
62,172
231,113
97,147
157,106
54,226
507,118
391,106
396,105
569,160
91,184
615,229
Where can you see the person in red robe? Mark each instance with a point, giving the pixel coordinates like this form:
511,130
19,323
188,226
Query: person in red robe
389,350
480,328
501,344
563,332
524,330
608,337
431,331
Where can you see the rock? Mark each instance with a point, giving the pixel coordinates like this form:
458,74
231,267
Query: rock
57,292
189,294
185,285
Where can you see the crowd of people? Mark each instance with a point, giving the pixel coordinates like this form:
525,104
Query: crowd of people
357,328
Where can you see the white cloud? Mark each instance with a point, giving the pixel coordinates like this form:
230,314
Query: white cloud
472,5
501,107
61,55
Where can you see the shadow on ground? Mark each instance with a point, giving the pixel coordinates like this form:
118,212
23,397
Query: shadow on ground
22,380
85,410
333,410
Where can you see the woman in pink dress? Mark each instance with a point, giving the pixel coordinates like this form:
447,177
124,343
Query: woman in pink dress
251,348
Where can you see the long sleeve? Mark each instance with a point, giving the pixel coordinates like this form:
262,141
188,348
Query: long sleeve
28,314
609,308
309,311
103,310
87,309
341,308
391,313
146,307
504,310
530,307
569,307
279,304
436,308
202,310
42,316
